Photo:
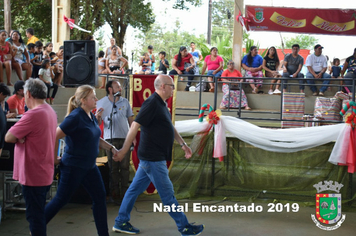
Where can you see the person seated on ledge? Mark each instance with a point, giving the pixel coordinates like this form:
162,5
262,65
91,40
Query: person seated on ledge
317,65
46,74
113,62
292,65
215,65
6,54
101,68
270,65
183,63
252,63
21,60
233,88
146,64
350,66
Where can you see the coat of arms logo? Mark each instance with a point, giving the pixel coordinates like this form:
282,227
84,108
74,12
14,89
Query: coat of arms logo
328,206
258,17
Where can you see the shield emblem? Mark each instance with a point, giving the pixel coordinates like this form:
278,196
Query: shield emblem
258,17
328,208
259,14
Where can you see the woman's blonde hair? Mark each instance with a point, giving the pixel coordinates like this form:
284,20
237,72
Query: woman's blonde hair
82,92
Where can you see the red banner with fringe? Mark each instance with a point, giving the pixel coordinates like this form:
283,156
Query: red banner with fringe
302,20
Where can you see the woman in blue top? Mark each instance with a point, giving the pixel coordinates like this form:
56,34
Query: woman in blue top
78,164
252,63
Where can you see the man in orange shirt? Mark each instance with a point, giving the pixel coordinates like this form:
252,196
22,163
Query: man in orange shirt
30,35
17,101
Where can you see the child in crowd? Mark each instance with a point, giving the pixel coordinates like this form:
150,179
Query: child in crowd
58,75
163,63
336,70
46,75
47,49
53,57
31,51
37,60
146,63
152,57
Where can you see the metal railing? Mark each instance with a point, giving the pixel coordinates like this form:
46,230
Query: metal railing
198,79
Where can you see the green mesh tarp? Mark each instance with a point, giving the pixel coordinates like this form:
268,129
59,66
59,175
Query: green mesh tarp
249,173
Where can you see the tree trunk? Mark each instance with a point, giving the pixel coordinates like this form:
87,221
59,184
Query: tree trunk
7,15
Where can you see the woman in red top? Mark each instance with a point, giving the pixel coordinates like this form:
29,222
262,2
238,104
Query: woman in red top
215,65
6,54
232,90
183,63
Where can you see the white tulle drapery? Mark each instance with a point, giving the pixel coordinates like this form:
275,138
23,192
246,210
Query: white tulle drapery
274,140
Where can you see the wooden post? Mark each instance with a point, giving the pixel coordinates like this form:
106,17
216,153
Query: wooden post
238,36
60,29
7,15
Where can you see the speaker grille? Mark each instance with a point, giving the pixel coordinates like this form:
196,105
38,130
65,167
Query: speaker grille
79,68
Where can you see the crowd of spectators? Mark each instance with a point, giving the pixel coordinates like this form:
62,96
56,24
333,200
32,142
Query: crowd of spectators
36,59
254,69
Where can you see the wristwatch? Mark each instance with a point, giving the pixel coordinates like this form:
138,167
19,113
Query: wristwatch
183,144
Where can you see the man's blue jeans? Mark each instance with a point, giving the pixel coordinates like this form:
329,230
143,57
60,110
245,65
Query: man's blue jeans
35,199
311,81
157,172
70,179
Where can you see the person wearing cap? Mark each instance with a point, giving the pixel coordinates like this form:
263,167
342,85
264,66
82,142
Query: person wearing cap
350,66
17,101
317,65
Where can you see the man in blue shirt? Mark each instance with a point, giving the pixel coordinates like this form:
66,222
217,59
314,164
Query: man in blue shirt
156,141
196,56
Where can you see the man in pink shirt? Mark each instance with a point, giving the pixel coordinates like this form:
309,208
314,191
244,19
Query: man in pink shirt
34,136
17,101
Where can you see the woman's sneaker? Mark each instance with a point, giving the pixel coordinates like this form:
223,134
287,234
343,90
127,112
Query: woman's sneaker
270,92
125,228
192,230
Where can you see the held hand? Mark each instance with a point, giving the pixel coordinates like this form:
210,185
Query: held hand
118,155
188,151
179,72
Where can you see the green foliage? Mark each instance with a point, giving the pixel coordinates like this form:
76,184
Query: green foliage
221,24
183,4
305,41
88,15
162,40
223,44
119,14
100,40
36,14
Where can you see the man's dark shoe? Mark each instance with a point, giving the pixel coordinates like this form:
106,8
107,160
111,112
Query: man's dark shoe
192,230
125,228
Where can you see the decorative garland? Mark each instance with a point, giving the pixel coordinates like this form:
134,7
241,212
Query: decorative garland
350,119
213,119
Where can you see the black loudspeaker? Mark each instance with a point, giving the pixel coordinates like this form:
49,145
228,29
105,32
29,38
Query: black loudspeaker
80,63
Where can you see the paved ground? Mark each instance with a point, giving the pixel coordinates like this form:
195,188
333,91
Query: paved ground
76,219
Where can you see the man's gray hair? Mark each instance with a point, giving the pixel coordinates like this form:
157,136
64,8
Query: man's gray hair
36,87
